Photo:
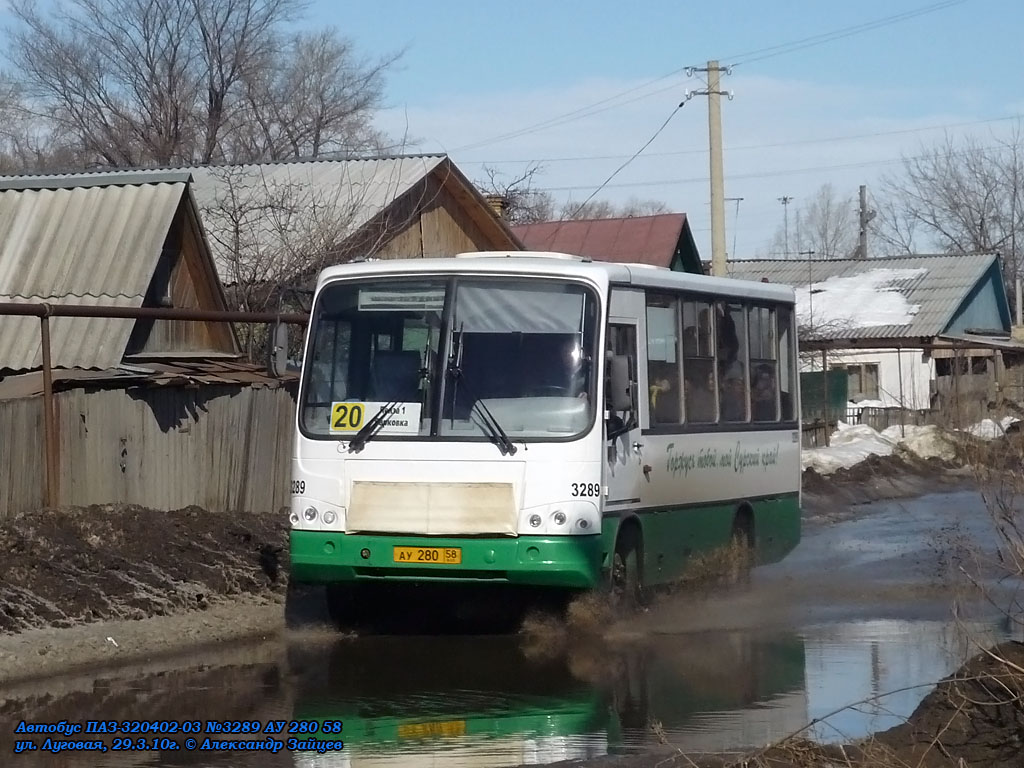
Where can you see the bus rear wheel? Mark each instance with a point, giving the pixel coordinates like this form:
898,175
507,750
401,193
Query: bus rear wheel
627,589
741,549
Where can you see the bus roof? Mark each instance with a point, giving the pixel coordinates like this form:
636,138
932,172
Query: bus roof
542,263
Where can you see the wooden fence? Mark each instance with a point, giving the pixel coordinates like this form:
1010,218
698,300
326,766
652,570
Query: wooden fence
223,448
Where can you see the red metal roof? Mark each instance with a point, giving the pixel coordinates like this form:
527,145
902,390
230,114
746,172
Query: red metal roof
635,240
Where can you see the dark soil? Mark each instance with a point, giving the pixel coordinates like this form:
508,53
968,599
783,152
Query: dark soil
878,478
66,567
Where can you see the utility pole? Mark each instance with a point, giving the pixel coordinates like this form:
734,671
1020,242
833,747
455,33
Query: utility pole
785,200
718,256
865,218
735,220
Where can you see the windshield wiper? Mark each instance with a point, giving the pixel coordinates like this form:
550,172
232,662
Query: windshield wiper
504,442
372,427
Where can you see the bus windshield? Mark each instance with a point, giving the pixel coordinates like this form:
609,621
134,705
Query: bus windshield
441,353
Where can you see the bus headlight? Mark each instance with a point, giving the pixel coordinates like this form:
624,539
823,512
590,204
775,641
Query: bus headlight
294,518
330,517
583,523
535,521
559,518
310,514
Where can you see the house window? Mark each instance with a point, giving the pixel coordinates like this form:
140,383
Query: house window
946,366
863,381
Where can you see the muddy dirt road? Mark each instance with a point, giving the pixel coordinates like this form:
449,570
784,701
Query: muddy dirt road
862,607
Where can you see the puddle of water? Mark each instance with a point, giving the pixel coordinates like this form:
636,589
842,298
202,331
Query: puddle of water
481,702
487,701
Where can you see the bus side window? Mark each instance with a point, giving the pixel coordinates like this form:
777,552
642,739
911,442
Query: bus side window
699,362
663,360
787,363
764,388
732,361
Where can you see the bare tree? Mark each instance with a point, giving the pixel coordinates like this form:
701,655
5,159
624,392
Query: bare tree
958,197
320,102
827,226
523,204
142,82
604,209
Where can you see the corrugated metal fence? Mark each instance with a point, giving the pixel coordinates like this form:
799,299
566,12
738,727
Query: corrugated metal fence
224,448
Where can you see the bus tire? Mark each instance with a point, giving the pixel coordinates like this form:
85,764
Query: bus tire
304,605
627,586
741,547
343,607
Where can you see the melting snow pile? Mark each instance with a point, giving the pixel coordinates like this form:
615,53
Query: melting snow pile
848,446
867,300
989,429
851,444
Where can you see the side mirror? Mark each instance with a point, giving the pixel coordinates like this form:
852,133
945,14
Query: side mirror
620,383
278,363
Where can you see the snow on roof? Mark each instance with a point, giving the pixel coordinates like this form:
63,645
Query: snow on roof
869,300
891,297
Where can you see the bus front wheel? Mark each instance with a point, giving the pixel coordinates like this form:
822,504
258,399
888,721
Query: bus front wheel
627,588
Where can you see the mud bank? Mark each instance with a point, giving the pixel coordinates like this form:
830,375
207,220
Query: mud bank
974,717
110,583
834,497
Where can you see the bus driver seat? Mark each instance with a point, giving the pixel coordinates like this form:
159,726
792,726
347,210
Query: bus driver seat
395,376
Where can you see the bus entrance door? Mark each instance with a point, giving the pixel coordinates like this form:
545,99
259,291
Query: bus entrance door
623,468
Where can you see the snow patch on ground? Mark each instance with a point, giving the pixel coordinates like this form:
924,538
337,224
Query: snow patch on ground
851,444
990,429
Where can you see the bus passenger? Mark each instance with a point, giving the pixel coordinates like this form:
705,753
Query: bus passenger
700,397
762,394
734,395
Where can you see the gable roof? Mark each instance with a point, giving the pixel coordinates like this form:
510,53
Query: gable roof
892,297
328,199
81,241
634,240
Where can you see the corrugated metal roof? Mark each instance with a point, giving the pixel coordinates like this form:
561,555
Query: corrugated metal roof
342,194
933,286
631,240
349,192
181,373
93,245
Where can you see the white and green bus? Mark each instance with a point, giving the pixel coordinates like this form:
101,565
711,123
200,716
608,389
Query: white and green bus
540,420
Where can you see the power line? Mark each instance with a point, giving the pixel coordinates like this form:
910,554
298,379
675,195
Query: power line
631,159
826,37
577,114
769,174
773,145
765,53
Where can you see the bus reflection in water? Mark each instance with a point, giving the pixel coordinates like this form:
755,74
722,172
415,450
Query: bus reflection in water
483,702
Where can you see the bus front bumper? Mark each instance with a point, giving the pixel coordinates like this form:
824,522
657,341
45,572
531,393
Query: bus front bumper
569,562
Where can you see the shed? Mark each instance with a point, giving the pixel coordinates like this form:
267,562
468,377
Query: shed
116,240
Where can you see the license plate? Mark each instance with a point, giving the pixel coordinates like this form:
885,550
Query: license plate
427,730
428,555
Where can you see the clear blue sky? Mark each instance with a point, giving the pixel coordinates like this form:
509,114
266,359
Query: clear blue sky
474,71
842,112
460,47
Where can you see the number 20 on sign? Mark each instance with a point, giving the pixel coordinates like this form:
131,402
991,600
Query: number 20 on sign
347,417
